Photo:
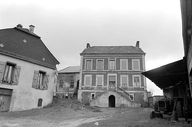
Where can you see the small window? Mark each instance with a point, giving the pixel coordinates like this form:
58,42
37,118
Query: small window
135,64
100,65
87,80
72,84
92,96
99,80
124,80
40,101
131,96
123,64
136,81
88,65
111,64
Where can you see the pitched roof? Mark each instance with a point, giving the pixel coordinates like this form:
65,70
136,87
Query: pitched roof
112,50
22,44
70,69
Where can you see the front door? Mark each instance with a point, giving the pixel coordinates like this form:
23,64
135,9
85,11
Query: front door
111,101
5,99
4,103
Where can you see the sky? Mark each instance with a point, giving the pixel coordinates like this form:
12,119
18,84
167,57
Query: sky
65,26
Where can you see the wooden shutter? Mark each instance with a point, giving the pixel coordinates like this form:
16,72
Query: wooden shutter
2,68
46,81
35,83
16,75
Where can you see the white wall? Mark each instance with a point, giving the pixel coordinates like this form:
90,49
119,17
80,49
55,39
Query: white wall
24,96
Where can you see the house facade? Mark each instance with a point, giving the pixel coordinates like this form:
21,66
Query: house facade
110,76
68,82
27,70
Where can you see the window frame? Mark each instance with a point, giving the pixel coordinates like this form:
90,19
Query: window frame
102,80
139,80
115,79
132,94
85,80
97,64
136,60
43,73
6,76
86,64
121,63
114,64
121,79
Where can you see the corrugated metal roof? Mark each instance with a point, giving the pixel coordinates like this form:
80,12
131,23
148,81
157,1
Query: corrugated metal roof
20,43
70,69
112,50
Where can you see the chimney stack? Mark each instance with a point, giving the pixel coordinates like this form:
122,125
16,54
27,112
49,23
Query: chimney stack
137,44
19,26
88,45
31,28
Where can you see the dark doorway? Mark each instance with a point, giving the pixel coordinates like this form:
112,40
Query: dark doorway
111,101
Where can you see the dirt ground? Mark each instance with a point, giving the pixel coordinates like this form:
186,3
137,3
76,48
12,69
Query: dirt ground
76,115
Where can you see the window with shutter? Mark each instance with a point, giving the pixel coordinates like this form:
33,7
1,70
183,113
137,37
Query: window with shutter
10,74
40,80
35,83
123,64
100,64
111,64
135,64
88,65
87,80
124,80
16,75
136,81
46,81
112,80
99,80
2,68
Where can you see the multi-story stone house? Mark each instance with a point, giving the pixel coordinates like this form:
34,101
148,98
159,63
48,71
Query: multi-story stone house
27,70
110,76
68,82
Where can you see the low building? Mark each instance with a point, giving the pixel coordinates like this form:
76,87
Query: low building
27,70
110,76
173,80
68,82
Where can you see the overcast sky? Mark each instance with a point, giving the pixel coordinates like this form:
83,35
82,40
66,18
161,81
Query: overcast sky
65,26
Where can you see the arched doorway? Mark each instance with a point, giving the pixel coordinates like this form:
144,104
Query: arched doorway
111,101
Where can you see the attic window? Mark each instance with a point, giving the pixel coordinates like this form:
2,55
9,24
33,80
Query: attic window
1,45
24,40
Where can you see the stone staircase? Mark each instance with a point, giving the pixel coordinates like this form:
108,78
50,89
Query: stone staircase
120,92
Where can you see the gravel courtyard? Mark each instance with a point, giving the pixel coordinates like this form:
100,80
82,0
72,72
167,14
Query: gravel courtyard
71,114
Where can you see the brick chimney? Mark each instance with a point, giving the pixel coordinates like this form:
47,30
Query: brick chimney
88,45
137,44
31,28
